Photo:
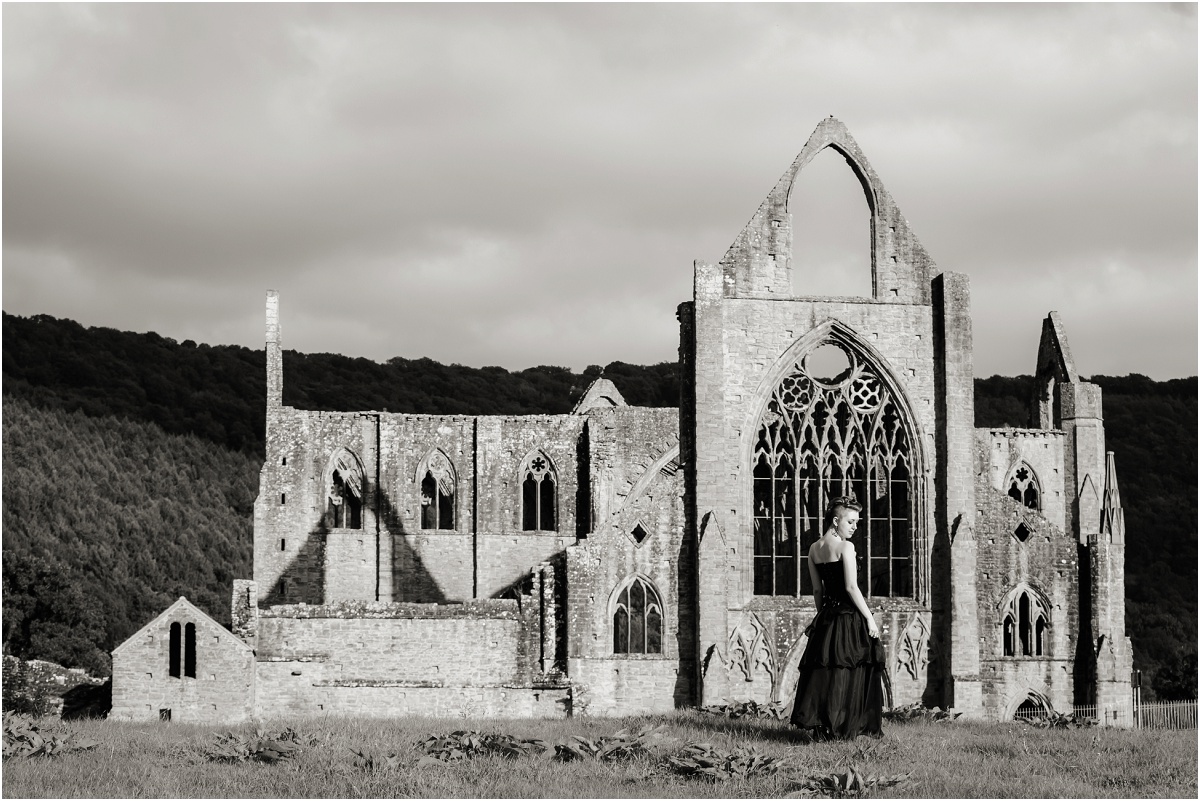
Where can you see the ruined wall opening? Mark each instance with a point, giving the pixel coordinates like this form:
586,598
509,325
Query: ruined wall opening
1024,488
832,240
1031,708
344,491
438,484
1026,621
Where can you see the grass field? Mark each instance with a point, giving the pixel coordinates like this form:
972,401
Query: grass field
944,760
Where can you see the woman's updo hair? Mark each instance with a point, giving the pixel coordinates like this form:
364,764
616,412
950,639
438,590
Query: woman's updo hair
844,502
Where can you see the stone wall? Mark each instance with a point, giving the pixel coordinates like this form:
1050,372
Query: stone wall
638,532
1046,561
391,556
390,659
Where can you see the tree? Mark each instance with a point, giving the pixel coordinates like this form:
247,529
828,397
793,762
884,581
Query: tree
46,616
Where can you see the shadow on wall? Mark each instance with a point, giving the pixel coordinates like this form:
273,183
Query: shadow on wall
303,580
411,582
1085,657
686,633
934,693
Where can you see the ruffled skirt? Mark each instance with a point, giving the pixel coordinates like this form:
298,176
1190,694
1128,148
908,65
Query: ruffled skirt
840,690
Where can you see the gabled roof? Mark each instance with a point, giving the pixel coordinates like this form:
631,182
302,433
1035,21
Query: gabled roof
602,394
1054,354
193,611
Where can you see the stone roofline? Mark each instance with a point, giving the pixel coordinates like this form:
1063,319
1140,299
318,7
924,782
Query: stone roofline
498,608
470,417
1023,432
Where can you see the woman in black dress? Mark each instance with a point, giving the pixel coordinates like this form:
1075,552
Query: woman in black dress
840,691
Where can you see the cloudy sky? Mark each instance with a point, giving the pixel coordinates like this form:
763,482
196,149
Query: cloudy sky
524,185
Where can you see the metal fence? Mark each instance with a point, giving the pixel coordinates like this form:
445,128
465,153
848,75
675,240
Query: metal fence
1165,715
1145,715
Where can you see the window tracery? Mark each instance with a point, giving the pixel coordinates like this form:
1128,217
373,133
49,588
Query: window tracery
344,491
539,494
437,492
1023,487
1026,619
638,619
824,437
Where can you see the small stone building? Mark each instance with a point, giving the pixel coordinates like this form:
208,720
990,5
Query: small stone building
183,665
619,560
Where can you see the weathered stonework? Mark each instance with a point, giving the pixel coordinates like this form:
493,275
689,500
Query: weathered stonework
618,560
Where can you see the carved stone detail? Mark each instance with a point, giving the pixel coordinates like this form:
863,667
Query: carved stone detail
913,652
750,648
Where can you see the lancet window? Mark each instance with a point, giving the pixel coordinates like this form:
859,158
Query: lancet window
829,432
1023,487
539,494
1026,619
182,651
638,619
344,491
437,492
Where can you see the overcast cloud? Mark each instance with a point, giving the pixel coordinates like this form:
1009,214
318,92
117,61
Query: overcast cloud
524,185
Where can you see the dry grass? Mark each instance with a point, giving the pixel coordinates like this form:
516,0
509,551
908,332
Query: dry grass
945,760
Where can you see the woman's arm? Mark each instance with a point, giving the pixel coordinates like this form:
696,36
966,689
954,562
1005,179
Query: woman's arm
815,576
850,573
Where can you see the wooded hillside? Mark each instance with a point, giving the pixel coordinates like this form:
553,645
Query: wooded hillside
131,463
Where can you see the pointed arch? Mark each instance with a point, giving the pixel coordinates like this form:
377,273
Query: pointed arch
538,480
344,490
636,610
864,176
807,437
758,262
438,481
1025,612
1024,487
833,227
1035,701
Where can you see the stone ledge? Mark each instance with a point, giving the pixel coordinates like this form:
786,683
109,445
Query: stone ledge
438,684
1024,432
316,657
487,609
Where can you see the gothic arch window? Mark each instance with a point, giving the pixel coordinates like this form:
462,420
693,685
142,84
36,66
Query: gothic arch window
539,493
344,491
1026,617
833,427
1023,487
438,482
637,618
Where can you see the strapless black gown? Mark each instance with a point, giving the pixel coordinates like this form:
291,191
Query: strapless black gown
840,691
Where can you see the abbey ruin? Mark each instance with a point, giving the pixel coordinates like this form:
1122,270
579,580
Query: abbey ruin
619,560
